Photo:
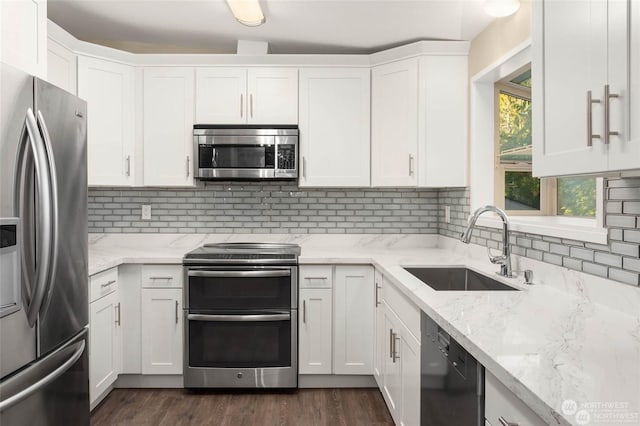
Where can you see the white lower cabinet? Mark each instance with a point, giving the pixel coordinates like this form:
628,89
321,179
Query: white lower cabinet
105,336
161,331
315,331
501,406
354,310
336,319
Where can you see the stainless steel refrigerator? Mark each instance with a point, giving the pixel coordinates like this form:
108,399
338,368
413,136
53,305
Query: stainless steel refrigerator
44,367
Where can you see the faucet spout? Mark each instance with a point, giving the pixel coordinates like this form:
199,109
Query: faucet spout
505,259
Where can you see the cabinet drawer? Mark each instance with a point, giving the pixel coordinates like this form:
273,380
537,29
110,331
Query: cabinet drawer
316,276
501,402
161,276
103,283
408,313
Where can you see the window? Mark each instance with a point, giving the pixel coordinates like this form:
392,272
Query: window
517,190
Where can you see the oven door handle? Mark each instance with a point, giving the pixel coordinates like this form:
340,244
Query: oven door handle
251,318
240,274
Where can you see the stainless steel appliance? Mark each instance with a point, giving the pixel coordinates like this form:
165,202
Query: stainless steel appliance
451,382
43,254
246,152
241,316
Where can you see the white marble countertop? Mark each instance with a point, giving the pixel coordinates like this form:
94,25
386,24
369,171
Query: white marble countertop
559,340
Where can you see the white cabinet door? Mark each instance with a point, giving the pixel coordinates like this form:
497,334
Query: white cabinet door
394,124
442,147
61,67
23,35
104,344
570,59
409,358
354,310
162,331
221,95
378,354
168,126
315,331
273,96
108,88
624,72
335,127
392,376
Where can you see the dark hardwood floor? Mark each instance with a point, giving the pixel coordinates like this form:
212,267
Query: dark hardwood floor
160,407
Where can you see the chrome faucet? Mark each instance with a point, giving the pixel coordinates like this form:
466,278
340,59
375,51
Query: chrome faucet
503,260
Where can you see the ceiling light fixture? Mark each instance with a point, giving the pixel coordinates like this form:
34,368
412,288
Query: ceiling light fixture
501,8
247,12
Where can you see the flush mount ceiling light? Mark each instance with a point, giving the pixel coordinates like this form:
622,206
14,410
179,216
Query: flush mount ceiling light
247,12
500,8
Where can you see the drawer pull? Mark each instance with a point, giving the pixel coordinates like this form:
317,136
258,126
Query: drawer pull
108,283
316,278
504,422
160,278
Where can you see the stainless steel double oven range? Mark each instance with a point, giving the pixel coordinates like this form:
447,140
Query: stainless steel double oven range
241,316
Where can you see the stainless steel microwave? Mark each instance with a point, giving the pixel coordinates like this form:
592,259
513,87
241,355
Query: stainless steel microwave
245,152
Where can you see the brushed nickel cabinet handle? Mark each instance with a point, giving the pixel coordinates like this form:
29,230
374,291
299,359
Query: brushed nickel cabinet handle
160,278
607,114
504,422
377,293
241,104
304,311
410,165
188,168
128,165
251,104
108,283
395,356
117,307
304,167
590,102
177,312
391,343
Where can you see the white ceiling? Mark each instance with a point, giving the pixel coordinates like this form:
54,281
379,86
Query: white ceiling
292,26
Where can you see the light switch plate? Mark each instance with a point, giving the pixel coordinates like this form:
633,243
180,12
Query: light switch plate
146,212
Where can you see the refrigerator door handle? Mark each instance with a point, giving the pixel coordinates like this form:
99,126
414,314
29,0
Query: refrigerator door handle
53,196
39,369
36,287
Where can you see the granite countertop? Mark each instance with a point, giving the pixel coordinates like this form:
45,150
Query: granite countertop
545,344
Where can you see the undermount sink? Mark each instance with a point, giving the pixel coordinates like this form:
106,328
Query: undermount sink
456,279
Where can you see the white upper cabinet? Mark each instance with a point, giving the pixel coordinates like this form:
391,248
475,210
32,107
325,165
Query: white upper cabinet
168,119
61,67
419,121
394,124
23,35
273,95
442,126
221,95
578,129
108,88
227,95
335,127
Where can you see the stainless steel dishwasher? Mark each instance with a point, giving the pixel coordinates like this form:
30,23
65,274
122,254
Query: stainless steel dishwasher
451,382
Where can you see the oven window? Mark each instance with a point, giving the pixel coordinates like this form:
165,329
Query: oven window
227,293
237,156
239,344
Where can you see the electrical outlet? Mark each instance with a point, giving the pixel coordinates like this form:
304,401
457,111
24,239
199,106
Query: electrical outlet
447,214
146,212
